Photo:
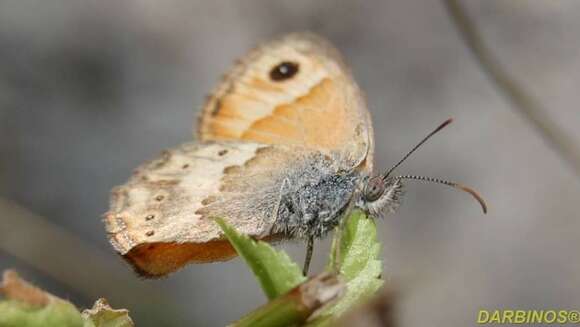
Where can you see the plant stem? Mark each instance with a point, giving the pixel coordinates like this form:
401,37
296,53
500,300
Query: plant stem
296,306
562,143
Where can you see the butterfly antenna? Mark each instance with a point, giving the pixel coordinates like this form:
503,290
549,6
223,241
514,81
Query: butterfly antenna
440,127
452,184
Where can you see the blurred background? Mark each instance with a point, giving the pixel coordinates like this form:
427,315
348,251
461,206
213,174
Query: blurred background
90,89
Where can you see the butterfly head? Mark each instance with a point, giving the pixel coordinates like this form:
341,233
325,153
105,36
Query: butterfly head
383,193
380,195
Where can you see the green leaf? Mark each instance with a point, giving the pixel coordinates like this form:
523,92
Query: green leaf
15,313
102,315
275,271
28,306
355,252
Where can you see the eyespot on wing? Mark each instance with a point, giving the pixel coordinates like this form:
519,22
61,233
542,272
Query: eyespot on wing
294,90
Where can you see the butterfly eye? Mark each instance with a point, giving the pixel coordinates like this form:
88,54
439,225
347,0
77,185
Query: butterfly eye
374,189
283,71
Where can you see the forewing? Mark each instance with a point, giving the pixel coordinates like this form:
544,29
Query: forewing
320,107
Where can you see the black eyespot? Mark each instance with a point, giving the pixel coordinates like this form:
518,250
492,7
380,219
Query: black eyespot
374,188
283,71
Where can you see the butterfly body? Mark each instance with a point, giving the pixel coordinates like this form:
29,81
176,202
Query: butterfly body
315,206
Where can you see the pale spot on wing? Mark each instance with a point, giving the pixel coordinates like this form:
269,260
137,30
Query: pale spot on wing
171,194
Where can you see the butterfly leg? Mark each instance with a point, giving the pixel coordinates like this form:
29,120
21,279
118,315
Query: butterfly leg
308,257
274,215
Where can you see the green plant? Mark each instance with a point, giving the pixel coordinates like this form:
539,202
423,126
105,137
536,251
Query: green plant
353,260
28,306
352,275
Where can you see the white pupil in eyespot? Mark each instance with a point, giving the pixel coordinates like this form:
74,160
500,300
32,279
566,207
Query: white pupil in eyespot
283,71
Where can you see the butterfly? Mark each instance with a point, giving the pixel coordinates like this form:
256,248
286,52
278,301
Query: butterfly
284,150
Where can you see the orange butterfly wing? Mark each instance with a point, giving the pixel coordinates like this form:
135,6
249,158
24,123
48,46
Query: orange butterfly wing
320,106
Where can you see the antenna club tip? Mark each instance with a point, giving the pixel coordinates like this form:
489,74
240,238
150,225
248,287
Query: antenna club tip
476,195
440,127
